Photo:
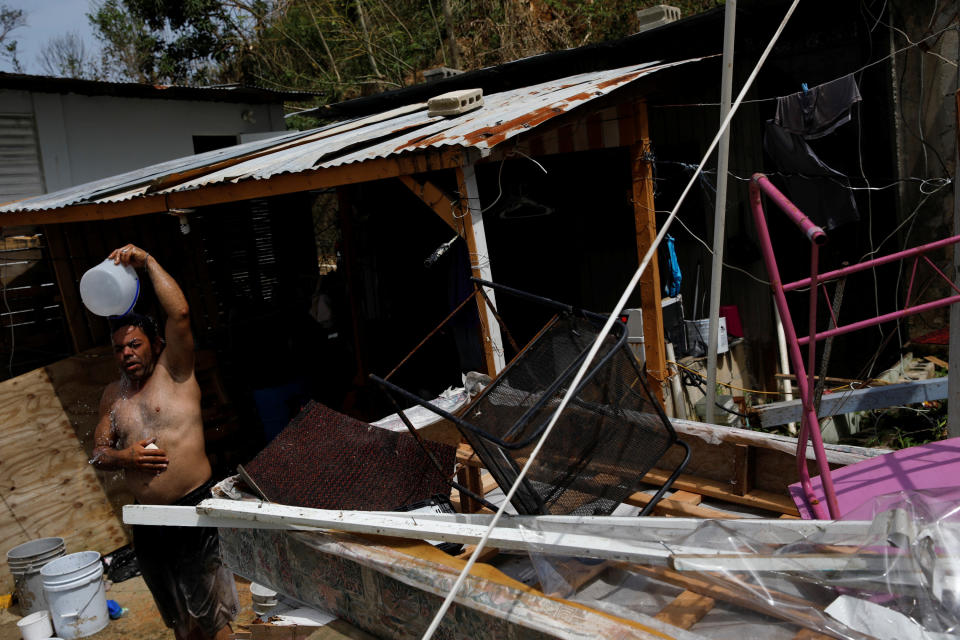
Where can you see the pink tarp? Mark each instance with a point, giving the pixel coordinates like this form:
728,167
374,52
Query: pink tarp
931,466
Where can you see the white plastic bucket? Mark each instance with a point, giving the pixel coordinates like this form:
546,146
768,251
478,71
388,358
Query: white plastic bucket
263,599
25,562
698,336
110,289
35,626
74,588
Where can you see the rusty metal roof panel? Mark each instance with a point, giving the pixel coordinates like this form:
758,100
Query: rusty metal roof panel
307,156
407,129
100,190
503,116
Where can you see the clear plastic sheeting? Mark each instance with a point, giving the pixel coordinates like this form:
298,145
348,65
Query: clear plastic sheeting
891,571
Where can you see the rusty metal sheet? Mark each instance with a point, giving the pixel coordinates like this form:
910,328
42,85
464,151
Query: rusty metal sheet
409,129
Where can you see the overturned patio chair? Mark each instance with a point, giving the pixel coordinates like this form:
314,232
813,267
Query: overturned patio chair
610,435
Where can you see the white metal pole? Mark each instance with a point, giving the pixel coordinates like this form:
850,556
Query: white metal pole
720,207
784,364
676,390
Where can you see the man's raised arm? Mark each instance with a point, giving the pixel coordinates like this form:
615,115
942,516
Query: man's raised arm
178,352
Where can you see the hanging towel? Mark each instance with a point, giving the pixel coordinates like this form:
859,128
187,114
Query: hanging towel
817,112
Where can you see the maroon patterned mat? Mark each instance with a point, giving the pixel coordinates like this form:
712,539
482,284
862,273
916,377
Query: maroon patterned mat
326,460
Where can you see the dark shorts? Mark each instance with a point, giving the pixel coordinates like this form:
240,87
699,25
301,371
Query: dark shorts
182,568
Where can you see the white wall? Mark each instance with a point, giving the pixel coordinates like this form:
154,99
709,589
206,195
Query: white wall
83,138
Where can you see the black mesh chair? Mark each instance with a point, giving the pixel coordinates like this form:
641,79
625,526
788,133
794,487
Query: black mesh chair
612,432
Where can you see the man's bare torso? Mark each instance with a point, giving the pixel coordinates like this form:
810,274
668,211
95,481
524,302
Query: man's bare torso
170,412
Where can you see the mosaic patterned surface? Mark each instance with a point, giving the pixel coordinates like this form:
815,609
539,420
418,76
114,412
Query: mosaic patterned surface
393,592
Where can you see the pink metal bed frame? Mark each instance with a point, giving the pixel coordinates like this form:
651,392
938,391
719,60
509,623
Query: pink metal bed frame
810,424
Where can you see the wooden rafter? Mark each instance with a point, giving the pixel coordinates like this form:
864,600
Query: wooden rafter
437,200
219,193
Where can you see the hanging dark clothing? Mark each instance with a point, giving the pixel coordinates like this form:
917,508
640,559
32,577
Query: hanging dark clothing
818,111
820,192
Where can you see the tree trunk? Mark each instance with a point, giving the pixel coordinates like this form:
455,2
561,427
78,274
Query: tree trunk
366,41
451,35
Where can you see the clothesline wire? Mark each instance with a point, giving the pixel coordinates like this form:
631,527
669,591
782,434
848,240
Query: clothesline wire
860,70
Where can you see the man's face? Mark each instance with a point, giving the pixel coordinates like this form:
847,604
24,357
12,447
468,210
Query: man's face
134,353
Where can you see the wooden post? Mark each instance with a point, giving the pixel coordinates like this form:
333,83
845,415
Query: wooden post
59,254
645,219
476,239
743,466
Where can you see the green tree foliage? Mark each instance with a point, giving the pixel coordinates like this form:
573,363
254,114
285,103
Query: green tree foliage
345,48
174,41
10,19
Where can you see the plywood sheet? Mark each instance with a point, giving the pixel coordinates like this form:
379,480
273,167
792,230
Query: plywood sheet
47,486
78,382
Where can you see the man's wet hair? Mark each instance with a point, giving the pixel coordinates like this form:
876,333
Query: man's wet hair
145,323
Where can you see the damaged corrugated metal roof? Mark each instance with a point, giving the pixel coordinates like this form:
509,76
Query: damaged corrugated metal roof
406,130
217,93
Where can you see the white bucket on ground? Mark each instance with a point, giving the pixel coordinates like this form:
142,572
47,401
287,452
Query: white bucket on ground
25,562
263,599
110,289
698,336
35,626
74,588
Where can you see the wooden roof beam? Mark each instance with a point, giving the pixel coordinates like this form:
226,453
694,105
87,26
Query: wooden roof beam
436,199
219,193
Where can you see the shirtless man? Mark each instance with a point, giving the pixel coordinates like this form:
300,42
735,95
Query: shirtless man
151,428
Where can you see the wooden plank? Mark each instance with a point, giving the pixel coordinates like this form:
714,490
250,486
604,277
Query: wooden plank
46,484
798,610
743,466
78,382
937,361
437,200
339,630
831,404
469,477
645,220
716,489
466,455
488,553
713,434
679,509
686,497
325,178
686,609
86,212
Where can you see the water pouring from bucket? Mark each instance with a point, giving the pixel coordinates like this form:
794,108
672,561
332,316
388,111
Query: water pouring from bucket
110,289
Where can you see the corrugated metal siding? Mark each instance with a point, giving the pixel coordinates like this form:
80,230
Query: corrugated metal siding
505,116
21,174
